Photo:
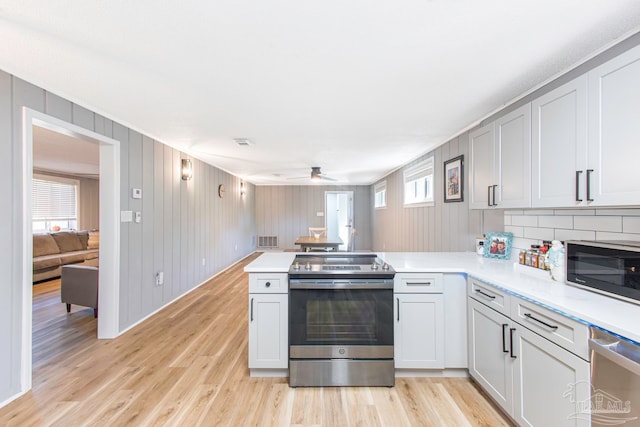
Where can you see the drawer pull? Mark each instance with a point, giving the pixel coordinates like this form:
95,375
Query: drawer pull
418,283
530,317
485,294
267,284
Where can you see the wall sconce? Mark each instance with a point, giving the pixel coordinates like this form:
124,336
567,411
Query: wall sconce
243,190
187,170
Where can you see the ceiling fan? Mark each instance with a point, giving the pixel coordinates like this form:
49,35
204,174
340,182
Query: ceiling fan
317,175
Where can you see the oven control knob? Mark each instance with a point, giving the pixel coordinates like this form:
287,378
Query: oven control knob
296,266
307,266
342,351
374,266
385,266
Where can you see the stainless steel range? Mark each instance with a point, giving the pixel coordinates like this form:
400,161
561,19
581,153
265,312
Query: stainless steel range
340,321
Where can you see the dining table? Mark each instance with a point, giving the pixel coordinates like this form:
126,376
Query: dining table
307,243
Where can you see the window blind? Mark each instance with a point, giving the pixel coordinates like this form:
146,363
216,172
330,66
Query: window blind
53,200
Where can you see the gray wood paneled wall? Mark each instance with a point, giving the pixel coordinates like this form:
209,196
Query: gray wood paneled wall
183,223
442,227
88,199
289,211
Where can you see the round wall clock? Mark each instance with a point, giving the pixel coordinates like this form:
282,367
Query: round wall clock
221,191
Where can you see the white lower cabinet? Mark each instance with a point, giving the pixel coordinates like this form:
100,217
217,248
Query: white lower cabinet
418,321
268,323
418,331
549,383
535,380
489,358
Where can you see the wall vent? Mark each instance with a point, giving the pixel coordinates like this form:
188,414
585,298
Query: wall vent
267,242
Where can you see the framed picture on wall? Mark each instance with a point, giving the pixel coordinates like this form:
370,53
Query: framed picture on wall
498,245
454,179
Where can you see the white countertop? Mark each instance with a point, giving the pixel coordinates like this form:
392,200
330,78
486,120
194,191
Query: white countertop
622,318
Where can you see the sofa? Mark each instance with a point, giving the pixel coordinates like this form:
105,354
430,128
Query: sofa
53,250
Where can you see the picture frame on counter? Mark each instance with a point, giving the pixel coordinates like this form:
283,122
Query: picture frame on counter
498,245
454,179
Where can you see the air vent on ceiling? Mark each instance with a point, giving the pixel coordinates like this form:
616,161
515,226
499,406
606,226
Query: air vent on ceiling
243,142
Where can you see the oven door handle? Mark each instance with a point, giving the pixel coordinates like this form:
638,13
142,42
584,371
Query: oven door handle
340,284
606,350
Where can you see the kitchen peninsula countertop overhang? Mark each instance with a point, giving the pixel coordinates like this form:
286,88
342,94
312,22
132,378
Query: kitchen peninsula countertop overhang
619,317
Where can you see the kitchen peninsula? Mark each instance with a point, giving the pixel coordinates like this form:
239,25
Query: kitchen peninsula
616,316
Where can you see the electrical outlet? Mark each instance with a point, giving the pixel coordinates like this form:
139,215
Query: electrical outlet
159,278
236,249
204,261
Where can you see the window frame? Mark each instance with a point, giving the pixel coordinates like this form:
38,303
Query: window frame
425,169
380,188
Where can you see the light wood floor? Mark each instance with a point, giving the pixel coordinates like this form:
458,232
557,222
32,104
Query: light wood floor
187,366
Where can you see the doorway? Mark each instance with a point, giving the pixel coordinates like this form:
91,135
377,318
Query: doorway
339,218
109,188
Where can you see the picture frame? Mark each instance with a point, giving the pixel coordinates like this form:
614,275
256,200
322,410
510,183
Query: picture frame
454,180
498,245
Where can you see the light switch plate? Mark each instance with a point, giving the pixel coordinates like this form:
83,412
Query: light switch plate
138,217
136,193
126,216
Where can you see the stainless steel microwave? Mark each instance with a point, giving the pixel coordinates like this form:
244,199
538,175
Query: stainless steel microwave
608,267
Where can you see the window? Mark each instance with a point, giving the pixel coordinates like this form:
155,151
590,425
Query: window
380,195
418,183
55,204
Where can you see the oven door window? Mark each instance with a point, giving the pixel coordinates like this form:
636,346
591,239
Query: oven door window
341,317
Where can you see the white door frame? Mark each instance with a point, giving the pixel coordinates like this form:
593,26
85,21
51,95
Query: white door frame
109,277
351,209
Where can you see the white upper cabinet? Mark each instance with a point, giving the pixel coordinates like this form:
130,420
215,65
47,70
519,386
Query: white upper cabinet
513,144
614,131
500,166
559,146
482,166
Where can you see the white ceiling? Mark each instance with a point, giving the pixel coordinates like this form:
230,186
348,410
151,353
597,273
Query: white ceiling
357,87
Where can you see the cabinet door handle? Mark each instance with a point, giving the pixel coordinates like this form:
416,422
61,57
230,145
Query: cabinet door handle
494,195
398,304
504,338
578,199
511,331
530,317
489,196
251,310
589,171
485,294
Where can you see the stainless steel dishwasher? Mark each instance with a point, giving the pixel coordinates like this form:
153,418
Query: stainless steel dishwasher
615,380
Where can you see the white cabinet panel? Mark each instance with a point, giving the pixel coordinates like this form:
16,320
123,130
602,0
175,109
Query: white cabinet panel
614,131
418,331
268,331
489,358
500,162
482,165
513,144
559,146
455,321
550,383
